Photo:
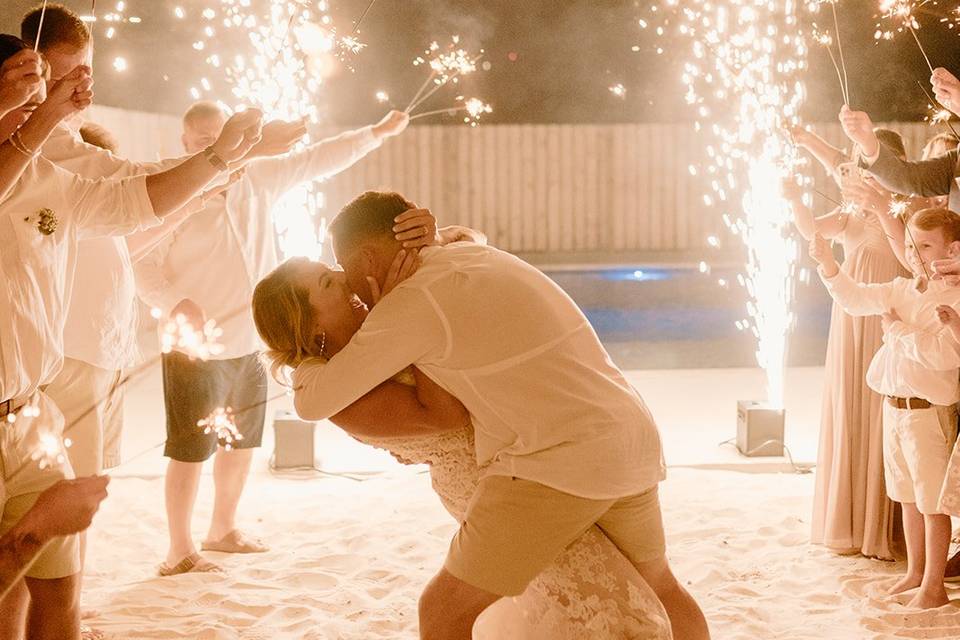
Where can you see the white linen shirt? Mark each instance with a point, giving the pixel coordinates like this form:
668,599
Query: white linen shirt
37,270
219,254
546,401
101,324
919,357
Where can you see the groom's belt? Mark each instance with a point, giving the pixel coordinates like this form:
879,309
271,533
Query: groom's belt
909,403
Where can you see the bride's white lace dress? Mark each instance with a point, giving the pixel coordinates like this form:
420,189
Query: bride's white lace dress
590,591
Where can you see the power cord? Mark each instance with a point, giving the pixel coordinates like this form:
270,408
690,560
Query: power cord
797,468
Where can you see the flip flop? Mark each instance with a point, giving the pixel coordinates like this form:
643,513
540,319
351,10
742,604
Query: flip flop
193,563
235,542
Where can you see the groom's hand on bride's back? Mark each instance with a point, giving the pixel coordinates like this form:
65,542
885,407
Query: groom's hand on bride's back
404,265
415,228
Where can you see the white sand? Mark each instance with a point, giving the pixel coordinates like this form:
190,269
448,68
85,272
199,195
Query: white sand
349,558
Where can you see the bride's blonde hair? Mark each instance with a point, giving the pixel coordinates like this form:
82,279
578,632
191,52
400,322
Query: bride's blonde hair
285,320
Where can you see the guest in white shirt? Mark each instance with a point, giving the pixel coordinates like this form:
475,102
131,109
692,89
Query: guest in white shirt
42,217
563,441
916,370
207,268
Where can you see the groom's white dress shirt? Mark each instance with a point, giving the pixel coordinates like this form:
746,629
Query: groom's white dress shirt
547,403
217,256
36,270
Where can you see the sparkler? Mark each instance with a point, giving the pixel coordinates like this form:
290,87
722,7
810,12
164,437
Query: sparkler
902,11
824,39
937,115
474,108
843,64
43,13
618,90
898,209
51,451
180,334
222,423
446,64
742,78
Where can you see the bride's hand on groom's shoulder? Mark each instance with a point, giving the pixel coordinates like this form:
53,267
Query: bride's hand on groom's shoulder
416,228
404,265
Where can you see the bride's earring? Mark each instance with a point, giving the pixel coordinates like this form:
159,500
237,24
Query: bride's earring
323,343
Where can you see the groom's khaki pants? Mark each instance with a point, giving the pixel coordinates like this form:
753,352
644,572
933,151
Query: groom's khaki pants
515,528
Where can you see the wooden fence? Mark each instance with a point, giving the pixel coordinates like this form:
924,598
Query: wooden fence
564,189
538,189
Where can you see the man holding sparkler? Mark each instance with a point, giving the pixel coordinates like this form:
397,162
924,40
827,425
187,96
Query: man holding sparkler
207,269
927,178
45,212
101,319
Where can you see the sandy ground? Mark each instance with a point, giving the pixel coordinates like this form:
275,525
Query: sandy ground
349,557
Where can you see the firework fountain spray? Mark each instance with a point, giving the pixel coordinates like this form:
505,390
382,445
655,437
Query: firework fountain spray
291,43
742,81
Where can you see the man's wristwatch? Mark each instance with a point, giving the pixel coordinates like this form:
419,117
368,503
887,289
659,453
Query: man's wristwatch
214,159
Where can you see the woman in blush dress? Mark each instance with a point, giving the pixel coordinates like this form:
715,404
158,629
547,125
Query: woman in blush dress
851,511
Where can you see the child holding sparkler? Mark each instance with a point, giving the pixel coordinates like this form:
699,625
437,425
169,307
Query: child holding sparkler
852,513
916,370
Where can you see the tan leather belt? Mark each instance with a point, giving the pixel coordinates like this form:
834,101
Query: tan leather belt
909,403
12,406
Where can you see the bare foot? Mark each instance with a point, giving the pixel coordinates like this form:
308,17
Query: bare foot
929,598
905,583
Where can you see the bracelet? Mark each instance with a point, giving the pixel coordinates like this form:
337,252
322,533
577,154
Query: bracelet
214,159
20,146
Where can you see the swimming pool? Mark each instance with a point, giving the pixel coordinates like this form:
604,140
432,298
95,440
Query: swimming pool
653,317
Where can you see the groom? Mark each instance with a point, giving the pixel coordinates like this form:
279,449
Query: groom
563,441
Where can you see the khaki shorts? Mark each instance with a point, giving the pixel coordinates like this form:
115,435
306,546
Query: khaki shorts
24,480
91,401
916,450
515,528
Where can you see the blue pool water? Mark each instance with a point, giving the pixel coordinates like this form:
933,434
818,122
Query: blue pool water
677,317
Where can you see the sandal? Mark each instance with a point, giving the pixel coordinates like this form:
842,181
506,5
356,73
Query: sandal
193,563
235,542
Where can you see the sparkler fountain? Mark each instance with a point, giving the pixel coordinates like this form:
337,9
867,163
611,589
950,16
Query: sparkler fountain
291,41
742,81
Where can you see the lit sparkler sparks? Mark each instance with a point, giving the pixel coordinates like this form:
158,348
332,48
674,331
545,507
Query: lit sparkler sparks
903,15
178,333
474,108
51,450
293,47
618,90
382,97
447,65
742,80
940,116
898,208
222,423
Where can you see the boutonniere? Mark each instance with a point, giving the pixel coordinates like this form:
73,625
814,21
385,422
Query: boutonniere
46,221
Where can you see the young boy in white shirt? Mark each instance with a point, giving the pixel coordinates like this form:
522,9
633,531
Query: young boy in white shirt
916,370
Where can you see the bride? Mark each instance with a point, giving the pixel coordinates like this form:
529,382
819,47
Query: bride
303,310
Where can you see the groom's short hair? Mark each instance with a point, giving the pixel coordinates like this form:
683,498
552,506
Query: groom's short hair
369,215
